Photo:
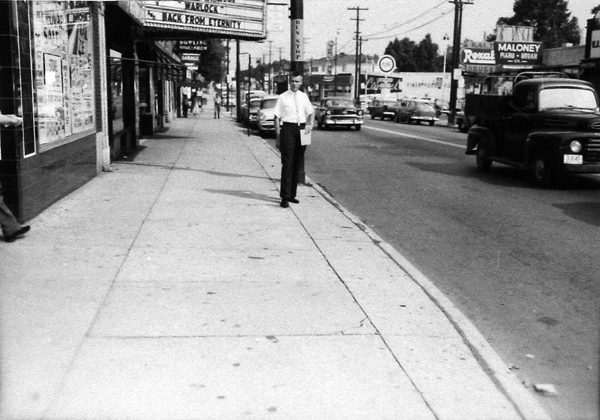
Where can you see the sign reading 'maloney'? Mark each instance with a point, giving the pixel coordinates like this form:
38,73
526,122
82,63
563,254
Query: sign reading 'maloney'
244,18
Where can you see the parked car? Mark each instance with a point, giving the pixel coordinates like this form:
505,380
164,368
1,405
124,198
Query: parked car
336,111
250,112
417,111
383,109
265,118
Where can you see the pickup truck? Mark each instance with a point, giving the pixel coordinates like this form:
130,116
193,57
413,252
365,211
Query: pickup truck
548,124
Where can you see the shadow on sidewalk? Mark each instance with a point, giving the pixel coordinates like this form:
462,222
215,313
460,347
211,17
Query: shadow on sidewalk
246,194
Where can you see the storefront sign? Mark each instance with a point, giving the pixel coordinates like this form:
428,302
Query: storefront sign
526,53
477,56
244,18
469,68
192,46
377,83
595,44
190,58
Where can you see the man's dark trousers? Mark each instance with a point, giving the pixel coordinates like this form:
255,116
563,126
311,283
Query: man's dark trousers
292,156
8,222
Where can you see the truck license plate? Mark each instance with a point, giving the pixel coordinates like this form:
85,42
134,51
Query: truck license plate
573,159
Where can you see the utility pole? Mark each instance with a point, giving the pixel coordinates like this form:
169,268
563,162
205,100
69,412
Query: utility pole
356,58
458,9
270,63
227,77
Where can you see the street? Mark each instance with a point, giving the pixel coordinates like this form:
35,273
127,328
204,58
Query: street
520,262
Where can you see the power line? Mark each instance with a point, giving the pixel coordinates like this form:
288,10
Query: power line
408,21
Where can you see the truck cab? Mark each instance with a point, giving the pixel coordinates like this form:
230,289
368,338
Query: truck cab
545,123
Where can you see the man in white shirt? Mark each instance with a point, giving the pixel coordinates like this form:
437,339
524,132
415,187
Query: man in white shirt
293,113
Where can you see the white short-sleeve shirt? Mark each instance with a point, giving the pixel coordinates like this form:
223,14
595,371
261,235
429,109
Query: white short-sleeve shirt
293,107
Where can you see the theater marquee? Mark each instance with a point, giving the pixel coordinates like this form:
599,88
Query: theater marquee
228,18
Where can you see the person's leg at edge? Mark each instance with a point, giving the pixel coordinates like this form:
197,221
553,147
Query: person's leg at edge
8,222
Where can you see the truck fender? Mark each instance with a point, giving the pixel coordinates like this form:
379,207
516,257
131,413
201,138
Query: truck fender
540,142
478,135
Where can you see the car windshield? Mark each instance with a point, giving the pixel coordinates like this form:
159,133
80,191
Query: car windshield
268,103
552,98
346,102
425,107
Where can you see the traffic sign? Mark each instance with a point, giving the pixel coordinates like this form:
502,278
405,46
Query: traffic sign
386,64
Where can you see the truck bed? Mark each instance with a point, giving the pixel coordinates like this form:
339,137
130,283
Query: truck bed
486,105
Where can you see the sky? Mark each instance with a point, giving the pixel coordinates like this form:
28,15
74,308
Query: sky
384,21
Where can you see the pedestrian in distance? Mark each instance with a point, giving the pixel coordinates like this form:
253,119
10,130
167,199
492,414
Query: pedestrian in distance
11,228
217,100
195,105
293,114
185,105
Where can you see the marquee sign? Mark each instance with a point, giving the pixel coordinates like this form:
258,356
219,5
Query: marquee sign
242,18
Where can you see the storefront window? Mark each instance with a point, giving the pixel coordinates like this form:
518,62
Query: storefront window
64,84
115,115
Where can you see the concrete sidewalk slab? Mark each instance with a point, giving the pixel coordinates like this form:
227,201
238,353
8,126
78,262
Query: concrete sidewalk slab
176,287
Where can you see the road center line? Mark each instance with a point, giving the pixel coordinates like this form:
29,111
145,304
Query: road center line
414,137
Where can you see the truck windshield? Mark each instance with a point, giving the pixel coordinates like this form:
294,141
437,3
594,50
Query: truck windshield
553,98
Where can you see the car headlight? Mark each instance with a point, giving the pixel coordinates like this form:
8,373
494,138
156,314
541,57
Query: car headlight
360,112
576,146
328,112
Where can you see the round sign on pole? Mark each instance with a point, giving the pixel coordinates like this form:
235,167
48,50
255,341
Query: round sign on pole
387,64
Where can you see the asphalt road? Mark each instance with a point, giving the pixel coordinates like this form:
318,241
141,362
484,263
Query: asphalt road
522,263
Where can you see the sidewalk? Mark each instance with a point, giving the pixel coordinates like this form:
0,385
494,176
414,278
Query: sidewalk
175,287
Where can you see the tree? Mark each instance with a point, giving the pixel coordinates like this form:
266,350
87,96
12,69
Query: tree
550,19
211,61
412,57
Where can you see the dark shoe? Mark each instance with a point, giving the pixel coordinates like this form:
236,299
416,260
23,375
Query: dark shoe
294,200
284,203
13,236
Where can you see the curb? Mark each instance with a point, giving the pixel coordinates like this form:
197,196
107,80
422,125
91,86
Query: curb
507,382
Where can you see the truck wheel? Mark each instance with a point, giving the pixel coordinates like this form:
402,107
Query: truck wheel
483,162
543,173
462,127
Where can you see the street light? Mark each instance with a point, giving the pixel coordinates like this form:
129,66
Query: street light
446,39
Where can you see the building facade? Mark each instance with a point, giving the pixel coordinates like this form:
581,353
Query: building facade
53,75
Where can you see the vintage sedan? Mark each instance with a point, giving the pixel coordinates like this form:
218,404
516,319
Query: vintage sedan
384,108
250,112
265,117
416,111
339,112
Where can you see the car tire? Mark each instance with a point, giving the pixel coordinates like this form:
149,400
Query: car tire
372,116
358,127
484,163
431,122
543,174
